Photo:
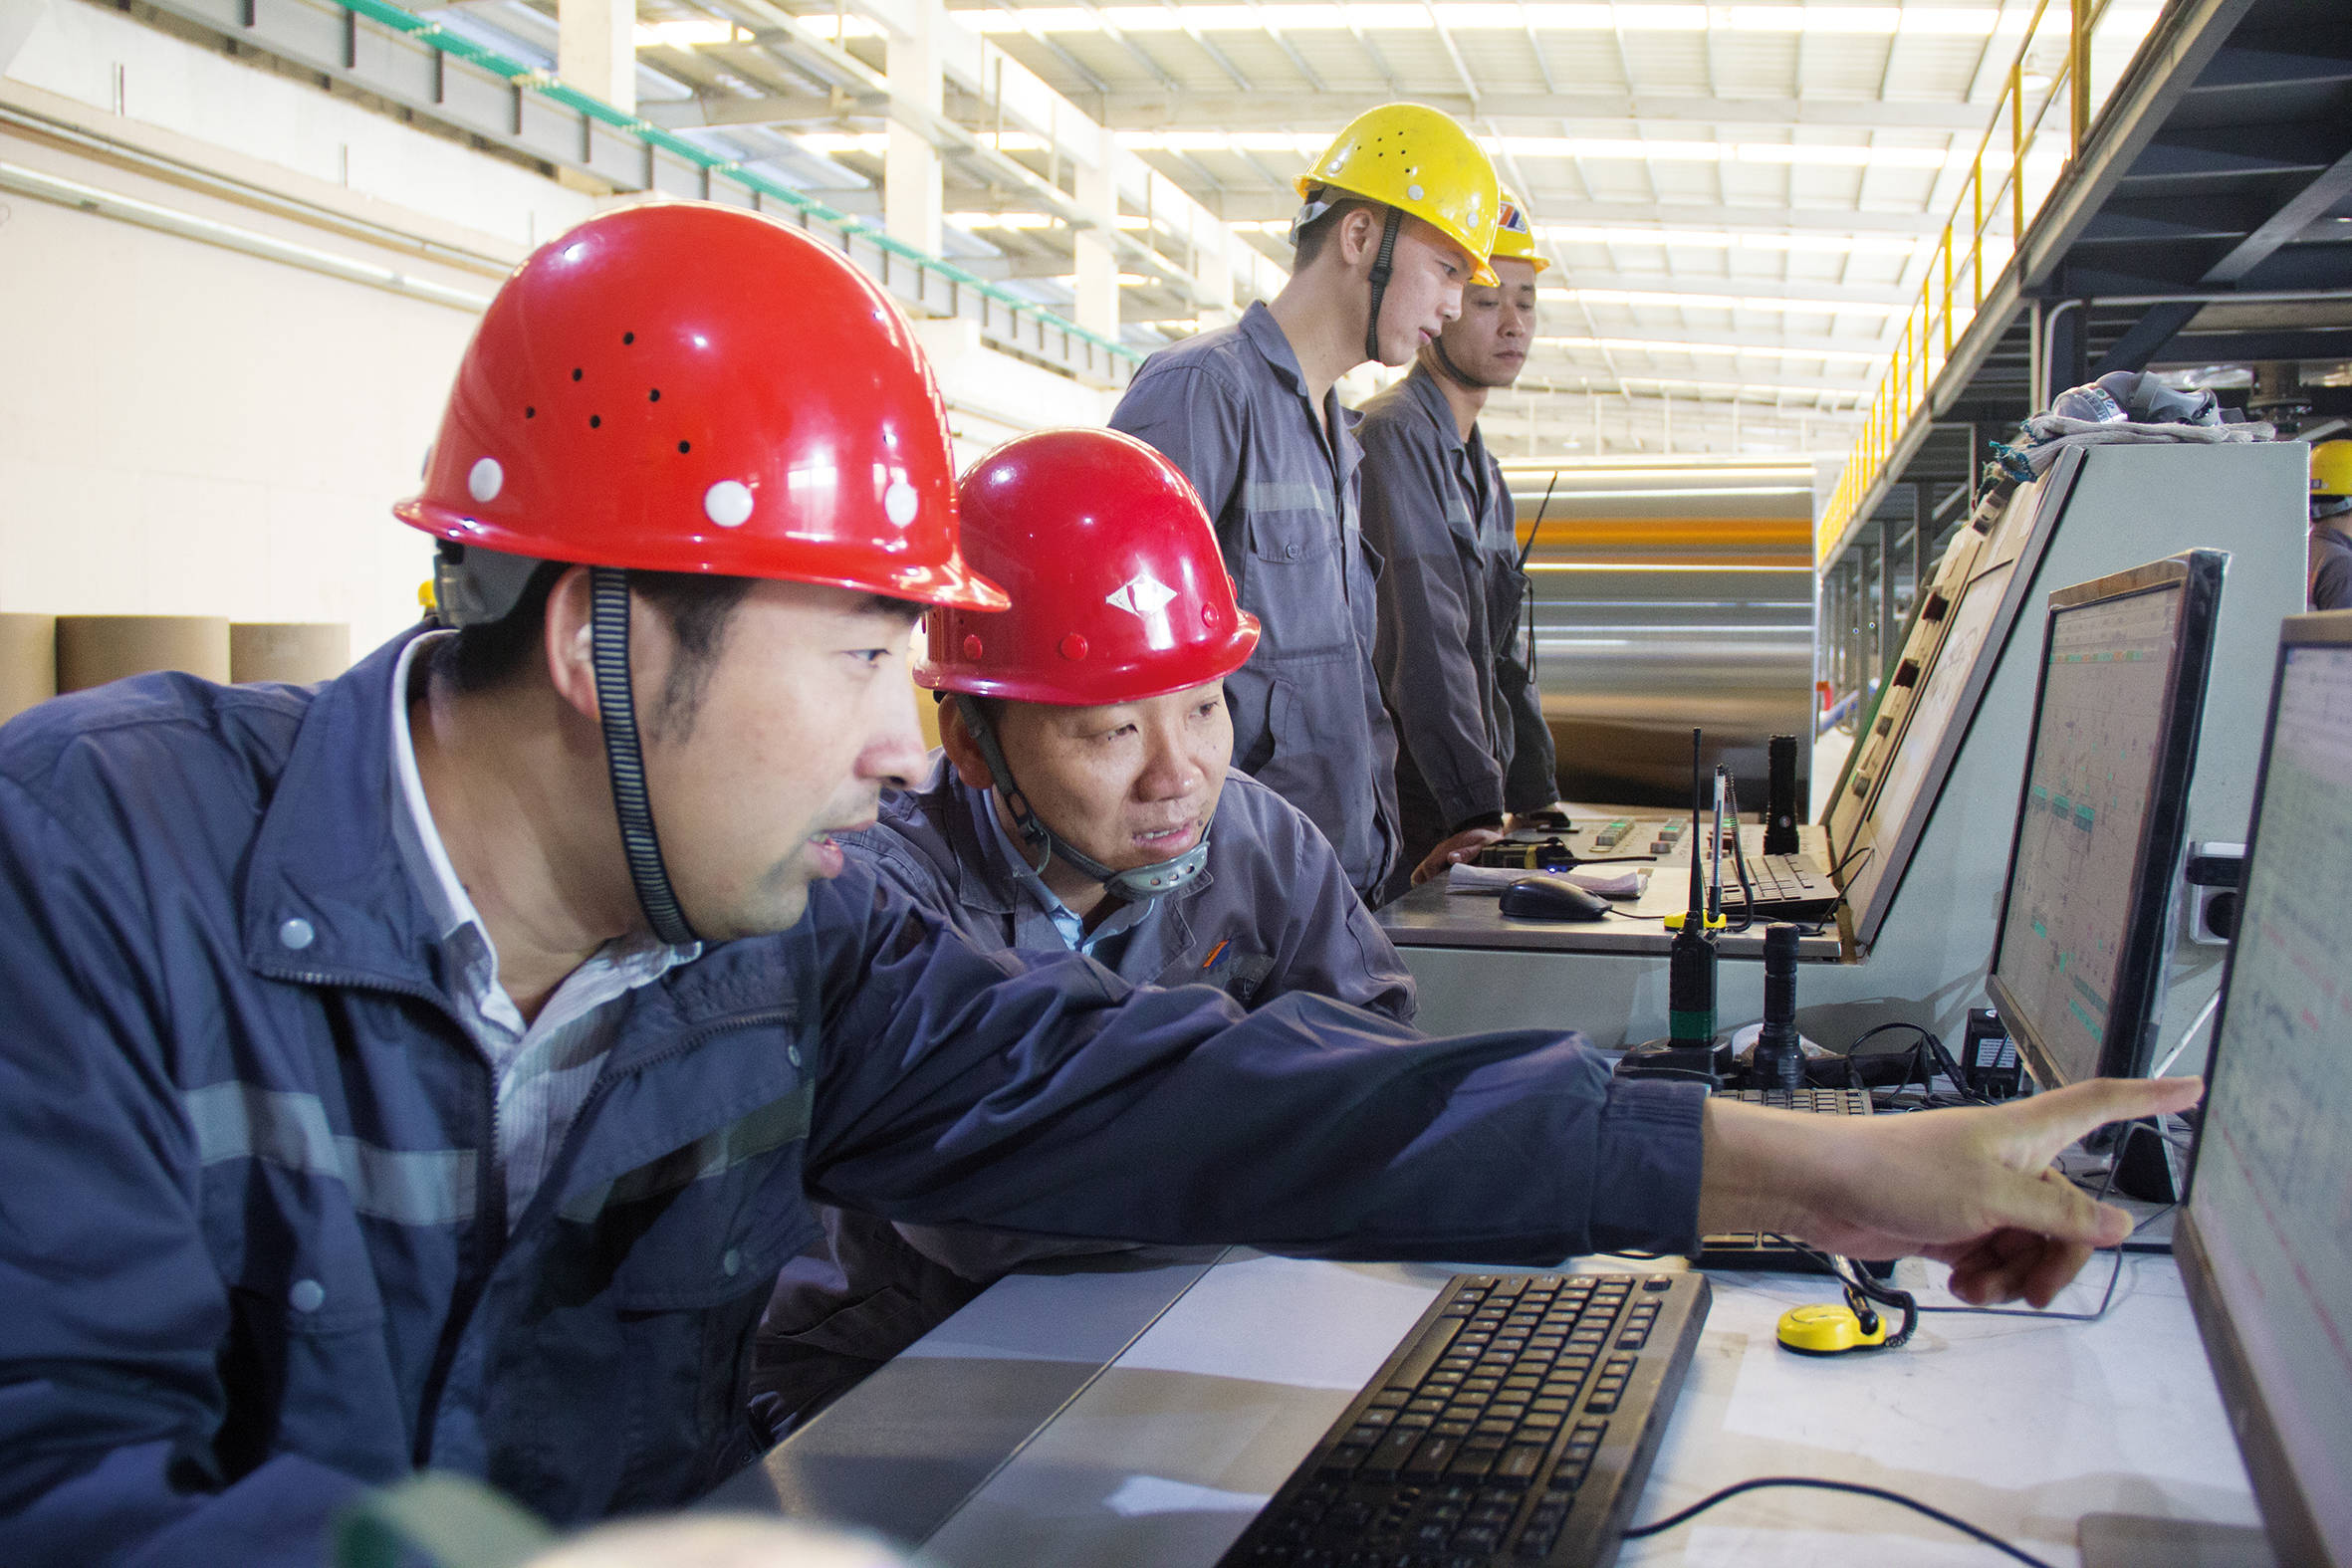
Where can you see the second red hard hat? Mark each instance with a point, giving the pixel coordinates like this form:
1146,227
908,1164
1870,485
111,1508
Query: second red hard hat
1118,592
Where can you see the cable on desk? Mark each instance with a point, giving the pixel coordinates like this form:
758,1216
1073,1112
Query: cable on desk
1815,1484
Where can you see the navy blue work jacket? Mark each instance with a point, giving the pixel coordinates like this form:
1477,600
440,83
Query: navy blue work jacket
255,1253
1269,914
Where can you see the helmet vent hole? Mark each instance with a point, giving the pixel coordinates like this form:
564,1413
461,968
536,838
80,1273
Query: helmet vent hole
627,338
684,447
653,396
530,414
575,372
595,421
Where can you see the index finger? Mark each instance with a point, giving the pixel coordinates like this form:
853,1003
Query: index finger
2070,1113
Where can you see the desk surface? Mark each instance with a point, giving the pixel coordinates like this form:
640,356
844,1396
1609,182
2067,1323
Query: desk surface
1139,1418
1432,917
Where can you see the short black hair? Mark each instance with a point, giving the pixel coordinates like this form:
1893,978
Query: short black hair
1311,239
697,607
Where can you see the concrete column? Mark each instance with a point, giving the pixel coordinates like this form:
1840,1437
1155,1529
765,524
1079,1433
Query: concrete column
911,190
1099,261
597,48
1216,268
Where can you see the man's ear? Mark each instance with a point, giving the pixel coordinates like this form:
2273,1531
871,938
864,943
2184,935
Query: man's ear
567,642
1359,239
955,738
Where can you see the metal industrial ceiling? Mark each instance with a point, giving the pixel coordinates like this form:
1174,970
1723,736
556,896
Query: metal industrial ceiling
1740,198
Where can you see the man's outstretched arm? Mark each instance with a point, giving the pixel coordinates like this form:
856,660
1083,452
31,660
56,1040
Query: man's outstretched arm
1969,1188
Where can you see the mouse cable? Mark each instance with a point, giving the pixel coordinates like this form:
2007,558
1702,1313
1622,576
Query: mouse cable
1817,1484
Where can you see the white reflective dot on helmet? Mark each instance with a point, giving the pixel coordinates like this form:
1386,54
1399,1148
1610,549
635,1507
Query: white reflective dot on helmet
728,503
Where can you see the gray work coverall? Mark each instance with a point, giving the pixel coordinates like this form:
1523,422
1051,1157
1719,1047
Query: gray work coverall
1471,741
1230,408
2331,562
1272,914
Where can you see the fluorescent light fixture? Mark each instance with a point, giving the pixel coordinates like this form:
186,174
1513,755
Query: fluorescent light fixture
1582,149
1633,464
1740,389
1582,469
1684,495
875,142
1651,566
1627,149
1724,302
1715,350
1477,15
1732,239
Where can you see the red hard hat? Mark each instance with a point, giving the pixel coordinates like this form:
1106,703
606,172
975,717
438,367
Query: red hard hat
1118,592
691,387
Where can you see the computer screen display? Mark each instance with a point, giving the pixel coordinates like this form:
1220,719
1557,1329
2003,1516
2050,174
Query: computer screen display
2078,964
2268,1244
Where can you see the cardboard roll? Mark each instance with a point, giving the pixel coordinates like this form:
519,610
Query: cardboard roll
95,649
28,662
298,652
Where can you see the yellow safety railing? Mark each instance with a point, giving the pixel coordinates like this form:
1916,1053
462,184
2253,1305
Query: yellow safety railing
2006,185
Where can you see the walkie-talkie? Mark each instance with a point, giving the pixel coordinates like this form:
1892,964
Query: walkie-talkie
1688,1051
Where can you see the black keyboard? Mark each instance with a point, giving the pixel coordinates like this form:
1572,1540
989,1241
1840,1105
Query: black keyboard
1820,1102
1516,1424
1747,1249
1787,887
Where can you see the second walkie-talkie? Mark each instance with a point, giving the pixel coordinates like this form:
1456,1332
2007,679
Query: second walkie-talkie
1688,1051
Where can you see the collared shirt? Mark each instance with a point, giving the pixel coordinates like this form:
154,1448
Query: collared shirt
1101,944
1469,722
547,1066
1230,408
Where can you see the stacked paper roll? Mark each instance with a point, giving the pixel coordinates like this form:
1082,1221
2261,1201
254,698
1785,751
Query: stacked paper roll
28,662
297,651
95,649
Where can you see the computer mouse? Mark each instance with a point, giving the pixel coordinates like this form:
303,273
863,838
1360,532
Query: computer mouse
1552,898
1547,820
1829,1328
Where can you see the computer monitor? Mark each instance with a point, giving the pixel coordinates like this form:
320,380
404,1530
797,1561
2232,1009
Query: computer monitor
2078,961
2265,1246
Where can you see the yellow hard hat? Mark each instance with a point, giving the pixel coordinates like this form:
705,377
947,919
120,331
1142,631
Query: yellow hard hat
2331,468
1515,236
1418,160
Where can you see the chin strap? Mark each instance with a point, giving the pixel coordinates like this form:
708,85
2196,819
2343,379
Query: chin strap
1384,266
1156,880
1445,362
609,592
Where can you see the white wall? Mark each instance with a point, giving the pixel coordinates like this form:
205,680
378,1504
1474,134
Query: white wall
188,429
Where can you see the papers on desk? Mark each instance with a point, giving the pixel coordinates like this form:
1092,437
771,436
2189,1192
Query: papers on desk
1609,881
